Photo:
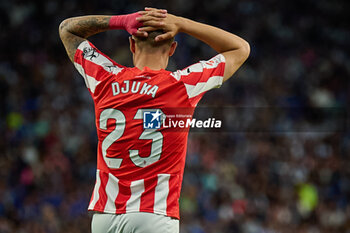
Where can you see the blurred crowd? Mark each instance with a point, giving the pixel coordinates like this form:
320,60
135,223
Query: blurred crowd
272,180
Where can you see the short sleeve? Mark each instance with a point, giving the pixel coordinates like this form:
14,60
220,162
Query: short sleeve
93,65
201,77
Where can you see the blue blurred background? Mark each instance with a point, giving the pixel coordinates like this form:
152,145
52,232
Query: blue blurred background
239,182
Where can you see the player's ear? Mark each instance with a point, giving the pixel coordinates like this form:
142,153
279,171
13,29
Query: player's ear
132,44
172,48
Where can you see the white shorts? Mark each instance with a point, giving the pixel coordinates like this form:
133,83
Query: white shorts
140,222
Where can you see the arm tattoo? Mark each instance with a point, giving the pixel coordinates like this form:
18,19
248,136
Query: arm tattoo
75,30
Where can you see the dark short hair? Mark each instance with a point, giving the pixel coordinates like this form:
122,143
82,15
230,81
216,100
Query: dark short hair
150,39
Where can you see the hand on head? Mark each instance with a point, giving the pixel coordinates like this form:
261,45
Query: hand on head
154,19
142,22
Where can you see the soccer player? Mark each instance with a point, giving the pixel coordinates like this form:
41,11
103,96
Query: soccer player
140,170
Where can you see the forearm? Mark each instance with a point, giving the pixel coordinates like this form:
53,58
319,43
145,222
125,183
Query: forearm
235,49
220,40
85,26
75,30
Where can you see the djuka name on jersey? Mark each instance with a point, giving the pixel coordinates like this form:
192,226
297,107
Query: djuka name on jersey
134,87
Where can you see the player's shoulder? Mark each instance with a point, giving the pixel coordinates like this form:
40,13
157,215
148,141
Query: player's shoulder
197,68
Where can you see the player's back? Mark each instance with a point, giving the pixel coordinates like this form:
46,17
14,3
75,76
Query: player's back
121,106
140,162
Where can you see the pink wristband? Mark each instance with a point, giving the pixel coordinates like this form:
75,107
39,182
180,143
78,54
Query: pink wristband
127,22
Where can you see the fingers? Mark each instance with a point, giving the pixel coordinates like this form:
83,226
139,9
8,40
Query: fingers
152,17
164,36
145,18
153,23
148,29
140,33
153,13
155,9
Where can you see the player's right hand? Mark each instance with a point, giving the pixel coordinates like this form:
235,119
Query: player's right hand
152,21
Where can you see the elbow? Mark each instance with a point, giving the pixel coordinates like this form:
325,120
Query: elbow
245,50
63,27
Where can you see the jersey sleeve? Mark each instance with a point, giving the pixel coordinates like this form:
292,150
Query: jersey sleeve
93,65
201,77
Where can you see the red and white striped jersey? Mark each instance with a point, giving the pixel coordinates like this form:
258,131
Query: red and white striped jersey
140,170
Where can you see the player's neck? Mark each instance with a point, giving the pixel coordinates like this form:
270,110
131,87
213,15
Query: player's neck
154,61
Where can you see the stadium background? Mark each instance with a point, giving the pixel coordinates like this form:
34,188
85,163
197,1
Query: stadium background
251,182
